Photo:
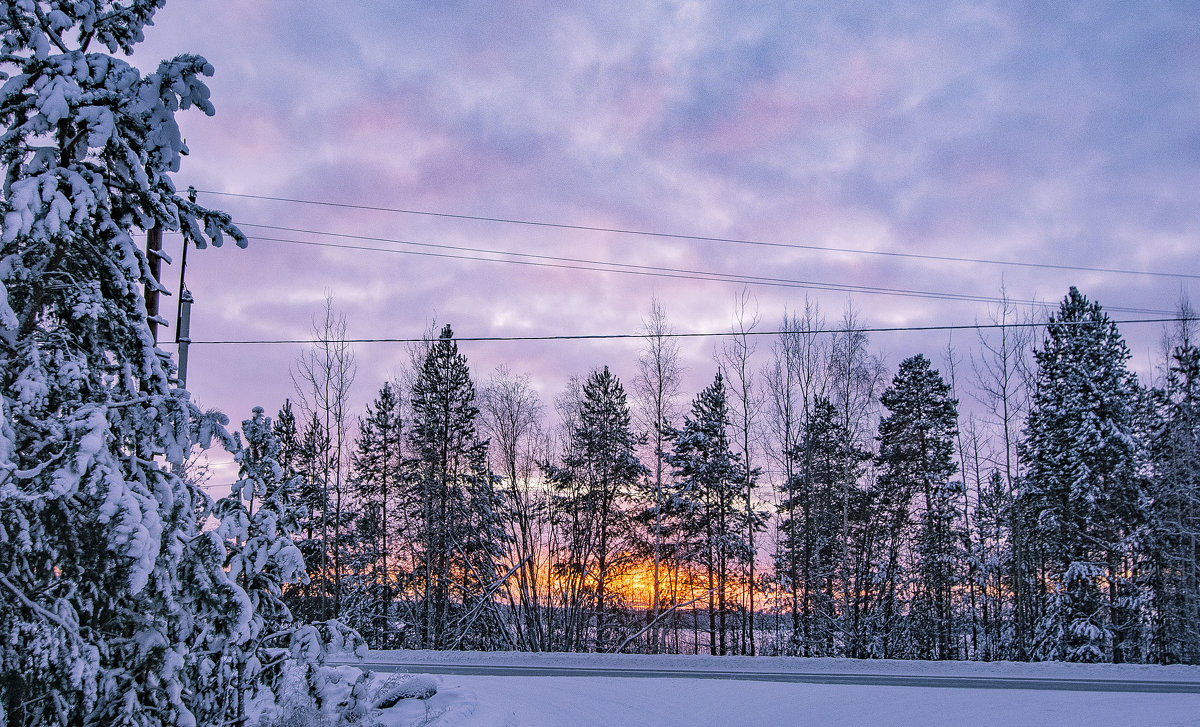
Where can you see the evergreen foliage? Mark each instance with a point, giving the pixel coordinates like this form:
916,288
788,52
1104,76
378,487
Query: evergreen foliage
707,496
991,558
378,473
119,607
306,454
248,557
810,509
459,538
1082,481
94,519
1172,539
598,474
916,458
887,555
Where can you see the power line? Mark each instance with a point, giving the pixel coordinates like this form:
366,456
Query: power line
566,263
707,334
708,238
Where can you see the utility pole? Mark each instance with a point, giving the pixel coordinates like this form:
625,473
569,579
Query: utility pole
183,324
154,256
183,315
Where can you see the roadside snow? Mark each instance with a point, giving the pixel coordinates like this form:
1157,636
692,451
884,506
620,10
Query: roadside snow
605,702
491,701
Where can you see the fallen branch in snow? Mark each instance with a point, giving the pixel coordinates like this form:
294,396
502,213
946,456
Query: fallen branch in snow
658,618
470,618
416,687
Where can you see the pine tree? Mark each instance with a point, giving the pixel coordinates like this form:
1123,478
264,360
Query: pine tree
1172,538
288,435
93,430
307,454
916,457
1082,482
255,526
245,633
378,470
810,508
460,540
710,479
991,557
598,473
855,378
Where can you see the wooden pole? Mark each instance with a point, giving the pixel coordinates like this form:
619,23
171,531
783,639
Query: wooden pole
183,318
154,257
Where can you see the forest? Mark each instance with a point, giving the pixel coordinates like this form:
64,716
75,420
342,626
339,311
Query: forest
808,501
809,504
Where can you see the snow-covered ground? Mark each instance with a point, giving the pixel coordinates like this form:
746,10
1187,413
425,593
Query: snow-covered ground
604,702
491,701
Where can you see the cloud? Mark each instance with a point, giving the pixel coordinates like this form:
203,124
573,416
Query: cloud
1055,133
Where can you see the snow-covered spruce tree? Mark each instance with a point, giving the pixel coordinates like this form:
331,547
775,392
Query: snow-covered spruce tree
916,460
991,555
288,435
1172,544
709,477
378,468
1082,482
243,562
856,376
810,510
460,538
307,454
598,473
248,634
94,519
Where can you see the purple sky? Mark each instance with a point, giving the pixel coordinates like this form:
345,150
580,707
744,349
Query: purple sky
1057,133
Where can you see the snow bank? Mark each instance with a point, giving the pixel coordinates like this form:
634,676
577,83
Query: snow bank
595,701
476,701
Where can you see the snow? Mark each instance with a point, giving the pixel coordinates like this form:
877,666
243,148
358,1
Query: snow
522,701
411,686
474,701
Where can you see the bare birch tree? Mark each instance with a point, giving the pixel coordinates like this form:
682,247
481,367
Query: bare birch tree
735,358
512,419
856,378
657,390
795,378
322,377
1003,372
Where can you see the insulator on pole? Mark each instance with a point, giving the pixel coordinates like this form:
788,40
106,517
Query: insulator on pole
183,334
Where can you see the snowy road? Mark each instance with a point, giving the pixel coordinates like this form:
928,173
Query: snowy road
395,662
604,690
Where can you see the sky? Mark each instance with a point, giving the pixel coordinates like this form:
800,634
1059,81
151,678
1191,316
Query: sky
1057,134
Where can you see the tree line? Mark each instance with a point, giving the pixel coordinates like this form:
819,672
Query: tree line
805,503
